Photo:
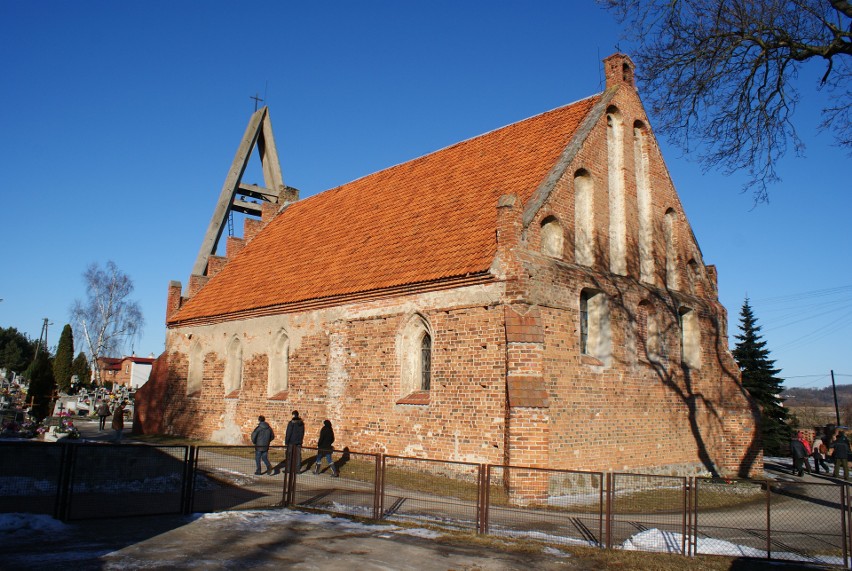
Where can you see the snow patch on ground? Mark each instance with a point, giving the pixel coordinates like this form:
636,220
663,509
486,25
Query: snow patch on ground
20,524
670,542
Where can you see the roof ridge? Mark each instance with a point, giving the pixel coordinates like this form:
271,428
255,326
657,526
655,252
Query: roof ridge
453,145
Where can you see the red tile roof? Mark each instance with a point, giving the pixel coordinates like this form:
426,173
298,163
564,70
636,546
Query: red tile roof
428,219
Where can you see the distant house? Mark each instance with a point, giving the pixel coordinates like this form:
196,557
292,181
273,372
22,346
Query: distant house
131,372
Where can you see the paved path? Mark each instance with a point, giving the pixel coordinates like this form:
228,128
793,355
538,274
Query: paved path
282,539
89,429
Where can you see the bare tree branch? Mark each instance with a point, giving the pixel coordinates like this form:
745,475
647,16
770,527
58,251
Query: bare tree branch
724,73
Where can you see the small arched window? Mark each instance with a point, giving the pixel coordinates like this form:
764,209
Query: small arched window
672,281
552,237
690,338
414,350
196,369
693,274
279,365
426,362
595,339
234,368
627,73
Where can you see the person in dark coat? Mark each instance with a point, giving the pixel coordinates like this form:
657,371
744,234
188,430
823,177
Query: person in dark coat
293,439
840,453
324,448
103,413
797,449
261,436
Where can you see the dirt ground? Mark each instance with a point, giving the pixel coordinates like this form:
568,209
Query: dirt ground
281,539
291,539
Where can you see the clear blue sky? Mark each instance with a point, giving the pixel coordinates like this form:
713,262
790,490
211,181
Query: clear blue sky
119,120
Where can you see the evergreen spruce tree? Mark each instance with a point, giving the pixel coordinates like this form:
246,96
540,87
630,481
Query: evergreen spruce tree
63,359
80,367
760,378
41,385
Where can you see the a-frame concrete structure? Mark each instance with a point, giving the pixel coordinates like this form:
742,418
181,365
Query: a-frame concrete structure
232,198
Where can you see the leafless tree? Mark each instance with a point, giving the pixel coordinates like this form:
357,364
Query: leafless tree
724,72
107,319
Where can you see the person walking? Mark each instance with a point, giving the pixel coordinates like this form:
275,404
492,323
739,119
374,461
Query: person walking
840,454
806,460
797,449
103,413
118,421
261,436
293,438
818,450
324,448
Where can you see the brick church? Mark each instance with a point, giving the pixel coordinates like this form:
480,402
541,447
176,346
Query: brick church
533,296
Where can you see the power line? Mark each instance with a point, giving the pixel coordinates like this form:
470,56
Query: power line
804,294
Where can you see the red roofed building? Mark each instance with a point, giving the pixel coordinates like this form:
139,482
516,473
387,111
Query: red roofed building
530,296
130,372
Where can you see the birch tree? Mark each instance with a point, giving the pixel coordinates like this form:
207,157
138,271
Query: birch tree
107,319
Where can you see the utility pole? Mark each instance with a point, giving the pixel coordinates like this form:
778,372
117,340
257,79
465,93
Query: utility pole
834,390
42,338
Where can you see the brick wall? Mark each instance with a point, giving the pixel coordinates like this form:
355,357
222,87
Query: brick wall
347,371
635,414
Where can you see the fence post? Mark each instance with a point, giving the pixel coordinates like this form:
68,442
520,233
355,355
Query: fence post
189,470
844,523
684,542
768,520
608,517
294,464
693,518
484,497
382,463
63,484
288,475
377,487
601,501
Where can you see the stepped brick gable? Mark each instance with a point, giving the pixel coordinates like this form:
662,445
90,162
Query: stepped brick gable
533,296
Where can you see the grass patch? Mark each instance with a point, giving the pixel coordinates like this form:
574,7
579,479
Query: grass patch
441,482
580,557
594,558
168,440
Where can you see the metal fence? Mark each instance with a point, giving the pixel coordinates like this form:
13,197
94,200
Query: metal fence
30,475
794,521
223,478
647,513
82,481
431,491
558,506
788,520
354,492
121,480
